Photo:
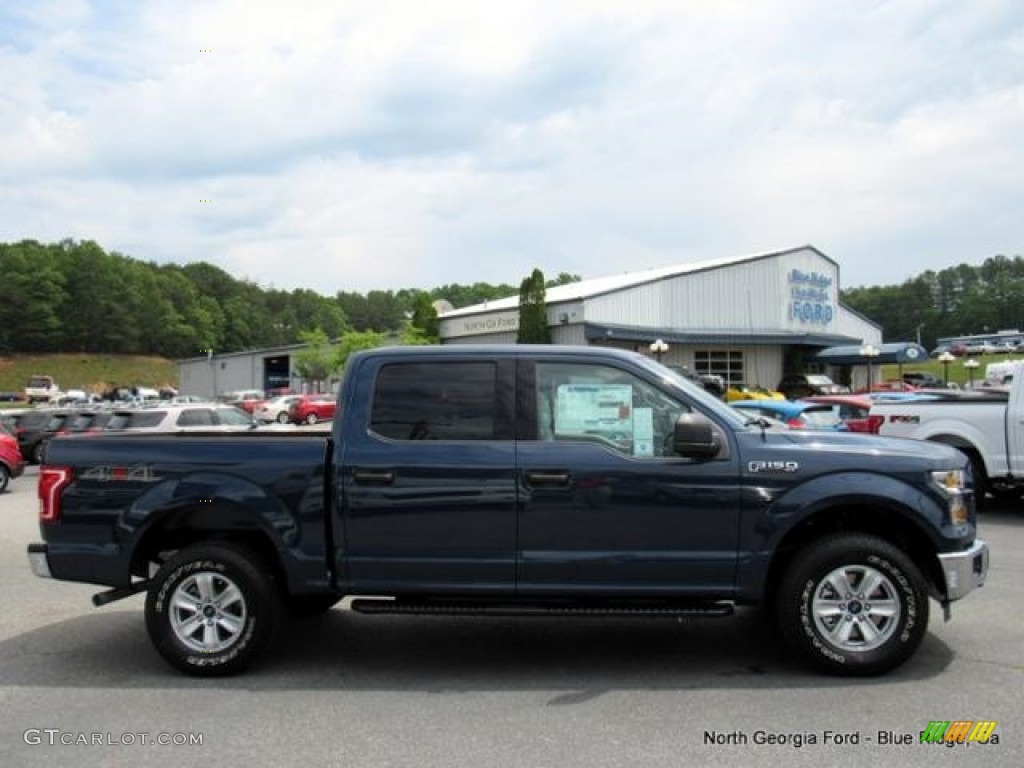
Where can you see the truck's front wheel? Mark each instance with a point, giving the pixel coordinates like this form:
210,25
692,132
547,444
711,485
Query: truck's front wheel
853,604
210,610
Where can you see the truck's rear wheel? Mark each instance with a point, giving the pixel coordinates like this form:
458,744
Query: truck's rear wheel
210,610
853,604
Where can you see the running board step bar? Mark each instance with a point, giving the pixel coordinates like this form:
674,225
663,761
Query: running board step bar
467,608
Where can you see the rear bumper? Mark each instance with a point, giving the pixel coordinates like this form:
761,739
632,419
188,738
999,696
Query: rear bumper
39,561
964,571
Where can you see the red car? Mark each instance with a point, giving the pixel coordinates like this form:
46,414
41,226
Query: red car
11,462
853,410
309,409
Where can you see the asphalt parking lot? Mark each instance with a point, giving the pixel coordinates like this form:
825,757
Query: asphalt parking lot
353,690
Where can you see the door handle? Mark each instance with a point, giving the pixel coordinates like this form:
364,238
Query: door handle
373,476
548,478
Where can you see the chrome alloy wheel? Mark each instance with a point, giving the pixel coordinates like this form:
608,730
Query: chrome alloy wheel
856,608
207,612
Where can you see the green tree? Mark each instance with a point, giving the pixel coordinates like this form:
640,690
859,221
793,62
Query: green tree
533,311
424,318
33,293
317,361
355,341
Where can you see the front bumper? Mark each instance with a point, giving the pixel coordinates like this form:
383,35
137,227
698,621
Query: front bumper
38,560
964,571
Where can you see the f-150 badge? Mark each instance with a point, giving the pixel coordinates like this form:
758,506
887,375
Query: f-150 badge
778,467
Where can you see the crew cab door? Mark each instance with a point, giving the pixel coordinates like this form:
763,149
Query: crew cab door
606,505
426,473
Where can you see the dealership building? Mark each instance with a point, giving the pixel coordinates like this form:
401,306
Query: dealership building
747,319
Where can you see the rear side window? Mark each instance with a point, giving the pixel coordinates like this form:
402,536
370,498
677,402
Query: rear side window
436,401
195,417
145,418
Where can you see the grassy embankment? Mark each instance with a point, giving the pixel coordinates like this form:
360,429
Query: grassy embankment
957,372
93,373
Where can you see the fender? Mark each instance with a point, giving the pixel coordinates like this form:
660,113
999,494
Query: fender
217,502
765,526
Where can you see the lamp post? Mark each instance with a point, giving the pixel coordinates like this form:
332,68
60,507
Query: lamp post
869,352
946,358
659,348
971,365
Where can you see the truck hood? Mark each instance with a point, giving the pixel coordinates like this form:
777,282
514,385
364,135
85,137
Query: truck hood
859,450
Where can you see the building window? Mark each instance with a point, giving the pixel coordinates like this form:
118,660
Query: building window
727,363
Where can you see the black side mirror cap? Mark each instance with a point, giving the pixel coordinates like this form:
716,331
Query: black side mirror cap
695,437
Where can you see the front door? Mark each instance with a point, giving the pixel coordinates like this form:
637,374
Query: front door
606,506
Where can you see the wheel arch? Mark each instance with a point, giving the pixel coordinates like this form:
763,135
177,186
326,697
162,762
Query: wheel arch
177,528
896,529
971,451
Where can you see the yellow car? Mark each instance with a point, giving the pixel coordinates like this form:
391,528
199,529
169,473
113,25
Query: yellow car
742,392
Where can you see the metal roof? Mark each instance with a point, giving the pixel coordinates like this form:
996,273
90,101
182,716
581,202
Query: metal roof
586,289
752,337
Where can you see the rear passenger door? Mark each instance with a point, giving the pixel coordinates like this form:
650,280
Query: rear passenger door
427,473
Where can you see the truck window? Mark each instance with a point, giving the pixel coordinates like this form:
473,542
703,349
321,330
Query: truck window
599,403
195,417
436,401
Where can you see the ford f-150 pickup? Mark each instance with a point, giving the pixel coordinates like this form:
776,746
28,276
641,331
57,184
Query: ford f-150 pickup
516,481
986,425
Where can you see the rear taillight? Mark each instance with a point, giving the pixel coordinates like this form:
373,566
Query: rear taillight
795,423
52,482
875,423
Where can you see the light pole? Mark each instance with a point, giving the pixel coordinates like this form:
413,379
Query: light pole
869,352
946,358
971,365
659,348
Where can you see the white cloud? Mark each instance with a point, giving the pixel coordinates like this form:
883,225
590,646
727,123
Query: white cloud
390,144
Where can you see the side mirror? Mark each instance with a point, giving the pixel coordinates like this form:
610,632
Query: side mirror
695,438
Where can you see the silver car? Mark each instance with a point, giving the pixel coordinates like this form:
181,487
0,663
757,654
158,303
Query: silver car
194,417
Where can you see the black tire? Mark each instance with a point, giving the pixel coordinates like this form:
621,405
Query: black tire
310,605
282,417
982,486
853,604
39,452
238,626
312,419
5,477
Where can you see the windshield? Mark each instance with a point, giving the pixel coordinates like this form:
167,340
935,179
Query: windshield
234,417
40,382
821,417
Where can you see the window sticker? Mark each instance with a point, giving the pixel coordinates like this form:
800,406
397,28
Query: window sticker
643,431
606,410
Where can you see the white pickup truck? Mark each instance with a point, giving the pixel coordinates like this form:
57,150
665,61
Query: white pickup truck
987,425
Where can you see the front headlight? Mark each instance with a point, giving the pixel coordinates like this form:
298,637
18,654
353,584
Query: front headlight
954,483
951,480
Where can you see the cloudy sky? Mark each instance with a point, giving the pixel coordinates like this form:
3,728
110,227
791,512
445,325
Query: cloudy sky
349,145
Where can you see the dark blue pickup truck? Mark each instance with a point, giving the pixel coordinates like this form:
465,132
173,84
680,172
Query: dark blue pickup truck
515,481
